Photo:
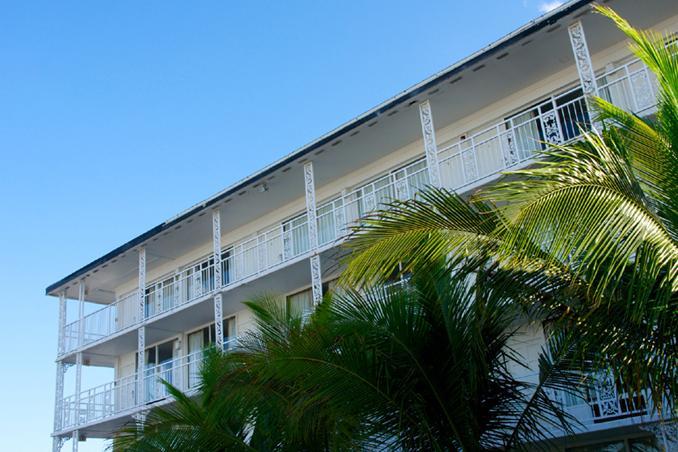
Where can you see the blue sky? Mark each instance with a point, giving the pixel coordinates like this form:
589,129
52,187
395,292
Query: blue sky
117,115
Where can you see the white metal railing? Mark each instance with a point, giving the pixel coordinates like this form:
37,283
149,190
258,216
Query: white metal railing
335,217
511,141
514,140
103,322
126,394
605,401
631,87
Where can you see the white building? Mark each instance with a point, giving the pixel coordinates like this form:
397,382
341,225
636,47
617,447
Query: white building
278,230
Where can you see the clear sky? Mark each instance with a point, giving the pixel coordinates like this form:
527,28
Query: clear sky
114,116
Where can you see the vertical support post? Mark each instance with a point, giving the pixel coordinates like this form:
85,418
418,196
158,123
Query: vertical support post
316,276
81,313
218,302
141,332
78,388
57,441
59,395
430,146
582,58
62,323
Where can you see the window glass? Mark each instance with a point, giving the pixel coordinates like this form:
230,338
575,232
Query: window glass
165,352
300,303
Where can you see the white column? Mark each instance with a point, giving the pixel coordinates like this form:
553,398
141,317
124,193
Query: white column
316,276
59,395
430,146
78,358
76,438
81,313
218,303
57,441
583,59
141,332
62,323
78,388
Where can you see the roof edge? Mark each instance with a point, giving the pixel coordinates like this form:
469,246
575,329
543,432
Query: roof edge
530,28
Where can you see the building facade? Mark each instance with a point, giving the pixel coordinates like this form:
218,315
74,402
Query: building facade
146,309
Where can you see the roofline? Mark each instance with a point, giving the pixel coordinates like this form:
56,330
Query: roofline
530,28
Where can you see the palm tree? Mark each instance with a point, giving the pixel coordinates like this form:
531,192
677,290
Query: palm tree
600,216
422,366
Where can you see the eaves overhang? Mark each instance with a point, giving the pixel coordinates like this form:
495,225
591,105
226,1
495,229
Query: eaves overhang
422,87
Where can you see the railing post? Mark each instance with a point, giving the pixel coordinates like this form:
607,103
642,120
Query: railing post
141,332
430,146
312,219
218,303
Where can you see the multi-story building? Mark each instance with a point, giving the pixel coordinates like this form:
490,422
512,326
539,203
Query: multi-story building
164,295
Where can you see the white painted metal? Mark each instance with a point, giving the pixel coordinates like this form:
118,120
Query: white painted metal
216,246
141,332
582,58
81,313
218,279
312,221
57,443
218,319
109,399
78,390
61,348
430,145
59,394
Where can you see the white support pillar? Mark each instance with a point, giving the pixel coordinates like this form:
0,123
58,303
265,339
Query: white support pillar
57,441
218,303
316,276
141,332
583,59
78,389
62,324
76,439
430,146
81,313
59,395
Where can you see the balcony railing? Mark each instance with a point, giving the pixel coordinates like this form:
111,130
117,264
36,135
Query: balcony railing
511,141
125,395
605,401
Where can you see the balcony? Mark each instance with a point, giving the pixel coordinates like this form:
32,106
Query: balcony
132,393
466,163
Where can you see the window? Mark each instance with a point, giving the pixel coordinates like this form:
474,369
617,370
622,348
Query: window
158,364
204,337
300,303
295,236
